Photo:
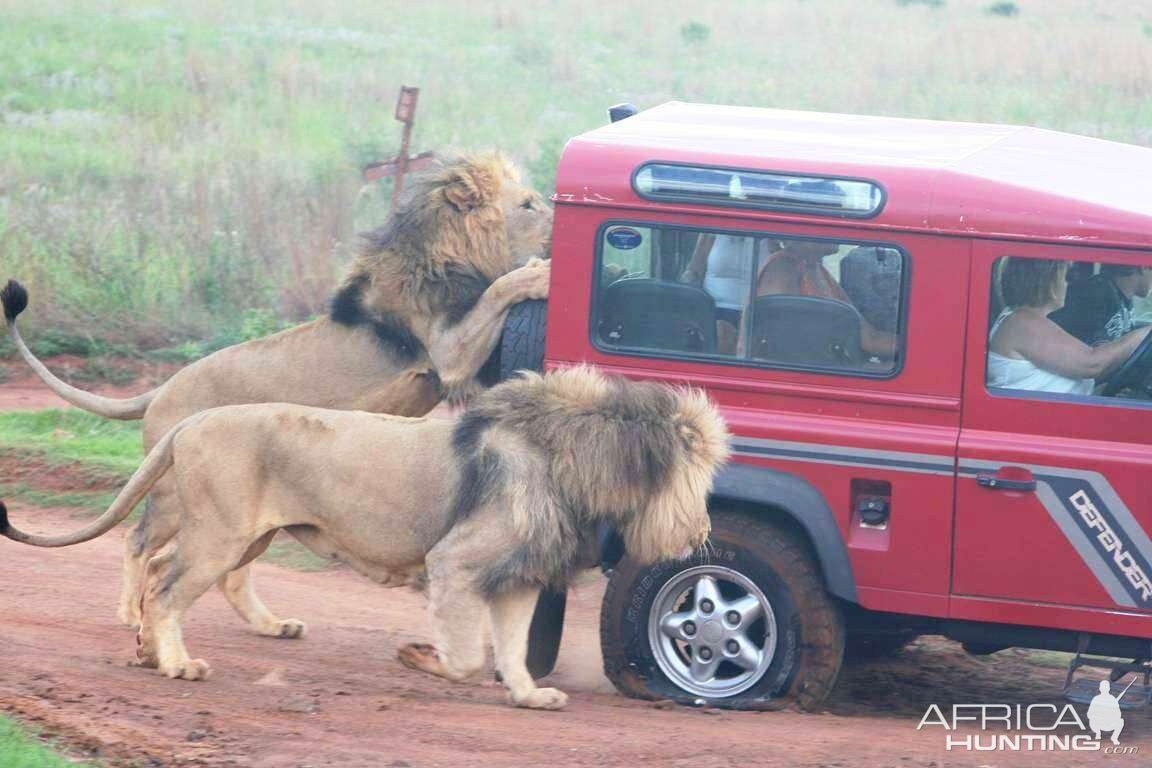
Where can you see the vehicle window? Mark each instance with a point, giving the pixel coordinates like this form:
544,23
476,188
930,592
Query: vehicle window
753,298
1062,327
819,195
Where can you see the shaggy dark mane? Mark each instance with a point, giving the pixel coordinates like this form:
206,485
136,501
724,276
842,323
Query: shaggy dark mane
393,333
436,255
602,449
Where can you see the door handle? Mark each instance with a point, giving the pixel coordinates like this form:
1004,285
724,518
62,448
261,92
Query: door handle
1008,479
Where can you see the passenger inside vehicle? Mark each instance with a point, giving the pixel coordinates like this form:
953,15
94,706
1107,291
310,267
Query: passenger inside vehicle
1029,351
798,269
1099,308
751,296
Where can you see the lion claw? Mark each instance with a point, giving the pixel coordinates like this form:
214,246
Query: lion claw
193,669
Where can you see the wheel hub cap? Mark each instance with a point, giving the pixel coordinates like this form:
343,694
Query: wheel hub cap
712,630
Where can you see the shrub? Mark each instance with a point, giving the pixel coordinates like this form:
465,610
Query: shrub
1003,9
695,32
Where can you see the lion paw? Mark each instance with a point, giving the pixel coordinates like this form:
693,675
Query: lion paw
145,652
542,698
145,659
193,669
420,656
288,629
532,281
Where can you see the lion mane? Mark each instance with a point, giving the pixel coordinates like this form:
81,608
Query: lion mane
429,259
575,448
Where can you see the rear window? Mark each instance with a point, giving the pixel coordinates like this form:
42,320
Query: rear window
822,195
750,298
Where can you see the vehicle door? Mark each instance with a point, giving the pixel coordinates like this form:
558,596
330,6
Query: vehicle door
1054,494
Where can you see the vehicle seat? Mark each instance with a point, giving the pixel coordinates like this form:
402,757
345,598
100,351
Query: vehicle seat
643,312
871,278
805,330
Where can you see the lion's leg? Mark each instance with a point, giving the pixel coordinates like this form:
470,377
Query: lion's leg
174,581
457,614
169,589
238,589
511,619
158,524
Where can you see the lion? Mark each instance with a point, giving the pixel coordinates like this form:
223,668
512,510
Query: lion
490,507
418,314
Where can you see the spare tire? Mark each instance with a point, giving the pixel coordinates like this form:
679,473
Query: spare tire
521,347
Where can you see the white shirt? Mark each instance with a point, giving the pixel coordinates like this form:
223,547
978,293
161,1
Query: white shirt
1017,373
729,274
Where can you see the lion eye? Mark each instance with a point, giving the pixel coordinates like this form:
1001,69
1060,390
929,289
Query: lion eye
527,204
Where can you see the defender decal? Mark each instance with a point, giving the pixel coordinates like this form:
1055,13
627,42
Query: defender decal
1110,541
1098,525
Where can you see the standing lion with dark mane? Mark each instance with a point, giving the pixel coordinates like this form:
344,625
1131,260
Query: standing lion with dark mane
413,322
494,506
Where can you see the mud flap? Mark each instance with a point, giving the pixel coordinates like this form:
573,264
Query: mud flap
544,635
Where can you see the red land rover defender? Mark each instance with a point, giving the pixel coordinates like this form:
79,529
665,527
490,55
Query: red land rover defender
923,440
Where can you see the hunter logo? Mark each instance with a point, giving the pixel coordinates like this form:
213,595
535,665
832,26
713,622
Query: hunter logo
1032,728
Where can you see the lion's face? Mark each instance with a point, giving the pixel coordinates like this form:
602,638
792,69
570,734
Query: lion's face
528,219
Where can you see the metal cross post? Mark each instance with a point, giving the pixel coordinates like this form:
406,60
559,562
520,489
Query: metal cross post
400,164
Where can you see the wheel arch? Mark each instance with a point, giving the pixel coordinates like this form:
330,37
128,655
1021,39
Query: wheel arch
790,499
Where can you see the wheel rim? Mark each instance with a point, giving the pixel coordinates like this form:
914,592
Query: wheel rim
712,631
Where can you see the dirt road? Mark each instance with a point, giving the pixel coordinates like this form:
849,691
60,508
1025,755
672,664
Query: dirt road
338,697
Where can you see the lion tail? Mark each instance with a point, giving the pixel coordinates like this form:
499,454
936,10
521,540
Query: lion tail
14,297
156,463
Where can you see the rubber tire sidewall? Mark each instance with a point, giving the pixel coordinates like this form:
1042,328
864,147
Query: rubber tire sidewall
522,344
762,553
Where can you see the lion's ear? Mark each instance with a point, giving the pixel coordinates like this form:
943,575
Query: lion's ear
470,188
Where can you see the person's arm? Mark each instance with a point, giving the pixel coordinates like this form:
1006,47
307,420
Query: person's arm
876,342
698,265
1048,346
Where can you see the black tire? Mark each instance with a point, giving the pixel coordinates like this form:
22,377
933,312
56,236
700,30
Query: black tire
521,346
546,632
808,647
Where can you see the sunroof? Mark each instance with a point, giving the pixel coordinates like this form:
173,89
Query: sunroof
801,193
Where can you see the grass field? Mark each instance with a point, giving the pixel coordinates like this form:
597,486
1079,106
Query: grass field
174,172
20,749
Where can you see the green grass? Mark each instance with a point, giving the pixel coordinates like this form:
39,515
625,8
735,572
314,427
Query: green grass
91,501
20,749
70,435
167,167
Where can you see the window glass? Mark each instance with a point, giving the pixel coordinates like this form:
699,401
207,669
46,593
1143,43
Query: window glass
753,298
777,191
1063,327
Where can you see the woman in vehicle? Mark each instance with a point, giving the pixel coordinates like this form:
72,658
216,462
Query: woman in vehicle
1027,350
